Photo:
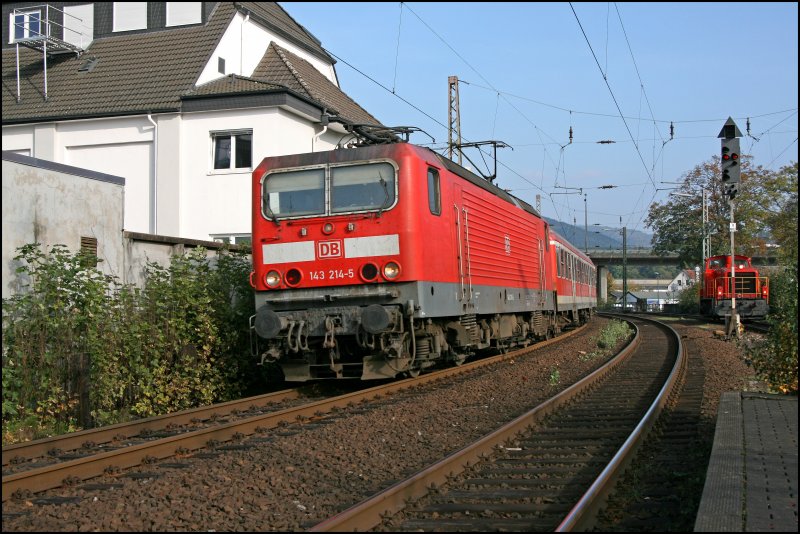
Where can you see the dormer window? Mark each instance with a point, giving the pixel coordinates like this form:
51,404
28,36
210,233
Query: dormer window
183,13
130,16
25,25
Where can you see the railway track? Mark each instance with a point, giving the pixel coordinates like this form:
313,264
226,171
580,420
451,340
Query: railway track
551,468
37,466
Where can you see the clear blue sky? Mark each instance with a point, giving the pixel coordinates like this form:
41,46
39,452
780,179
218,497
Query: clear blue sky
528,74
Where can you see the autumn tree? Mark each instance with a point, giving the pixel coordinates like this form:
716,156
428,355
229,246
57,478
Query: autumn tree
765,213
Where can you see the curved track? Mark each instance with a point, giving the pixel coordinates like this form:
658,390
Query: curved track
553,467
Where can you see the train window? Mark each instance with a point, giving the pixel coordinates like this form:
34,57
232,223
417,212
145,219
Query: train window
362,187
295,193
434,196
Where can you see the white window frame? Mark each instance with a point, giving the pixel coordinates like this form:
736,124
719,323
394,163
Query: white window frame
130,18
12,34
184,13
232,238
231,134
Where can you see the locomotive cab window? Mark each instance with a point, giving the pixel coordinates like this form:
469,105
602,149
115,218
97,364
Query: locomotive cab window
362,187
434,195
329,190
295,193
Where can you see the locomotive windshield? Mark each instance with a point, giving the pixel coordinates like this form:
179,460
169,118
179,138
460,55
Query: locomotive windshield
362,187
295,193
329,190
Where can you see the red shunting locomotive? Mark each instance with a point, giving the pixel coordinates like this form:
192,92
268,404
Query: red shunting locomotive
751,290
383,261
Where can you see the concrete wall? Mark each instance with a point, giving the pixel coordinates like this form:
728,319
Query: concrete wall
143,248
51,203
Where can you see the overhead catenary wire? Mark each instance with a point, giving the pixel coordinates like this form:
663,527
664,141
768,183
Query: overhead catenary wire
614,98
506,96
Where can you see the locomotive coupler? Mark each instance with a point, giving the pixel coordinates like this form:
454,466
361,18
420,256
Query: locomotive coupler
330,333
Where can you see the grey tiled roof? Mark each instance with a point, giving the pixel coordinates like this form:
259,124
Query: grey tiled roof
233,84
285,68
152,71
135,73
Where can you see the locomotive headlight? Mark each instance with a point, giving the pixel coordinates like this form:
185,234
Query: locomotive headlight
391,270
273,278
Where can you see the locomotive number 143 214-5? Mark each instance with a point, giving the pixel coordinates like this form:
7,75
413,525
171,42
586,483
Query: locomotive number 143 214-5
332,274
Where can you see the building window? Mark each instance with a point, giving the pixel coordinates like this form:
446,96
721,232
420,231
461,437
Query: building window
237,239
26,25
182,13
130,16
434,198
232,150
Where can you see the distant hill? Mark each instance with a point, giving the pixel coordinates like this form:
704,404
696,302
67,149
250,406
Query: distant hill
604,237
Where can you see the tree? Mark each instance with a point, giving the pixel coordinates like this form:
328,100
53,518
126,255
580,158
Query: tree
765,211
776,196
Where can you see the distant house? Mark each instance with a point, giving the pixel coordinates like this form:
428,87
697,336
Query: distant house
682,280
634,301
180,99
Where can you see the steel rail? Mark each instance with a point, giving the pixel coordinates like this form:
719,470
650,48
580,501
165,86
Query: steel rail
370,512
583,514
75,440
52,476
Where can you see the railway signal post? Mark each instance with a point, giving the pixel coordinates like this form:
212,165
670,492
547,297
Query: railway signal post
731,172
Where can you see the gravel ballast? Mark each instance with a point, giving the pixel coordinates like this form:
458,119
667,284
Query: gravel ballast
298,475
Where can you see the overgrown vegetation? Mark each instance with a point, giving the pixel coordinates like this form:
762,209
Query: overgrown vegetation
774,356
609,337
80,349
689,299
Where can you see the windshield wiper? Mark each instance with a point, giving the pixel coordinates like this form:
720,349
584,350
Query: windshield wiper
266,209
387,201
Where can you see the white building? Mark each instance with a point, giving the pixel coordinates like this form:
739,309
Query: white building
181,99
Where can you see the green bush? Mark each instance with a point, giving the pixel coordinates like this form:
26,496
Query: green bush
80,349
774,357
608,339
613,333
689,299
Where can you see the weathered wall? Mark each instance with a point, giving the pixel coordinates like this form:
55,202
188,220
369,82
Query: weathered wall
52,203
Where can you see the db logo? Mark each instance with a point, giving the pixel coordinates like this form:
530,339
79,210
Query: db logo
329,249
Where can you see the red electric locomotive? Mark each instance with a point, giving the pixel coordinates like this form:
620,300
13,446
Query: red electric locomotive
385,260
751,290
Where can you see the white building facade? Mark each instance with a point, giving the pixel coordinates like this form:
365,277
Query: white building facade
186,153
